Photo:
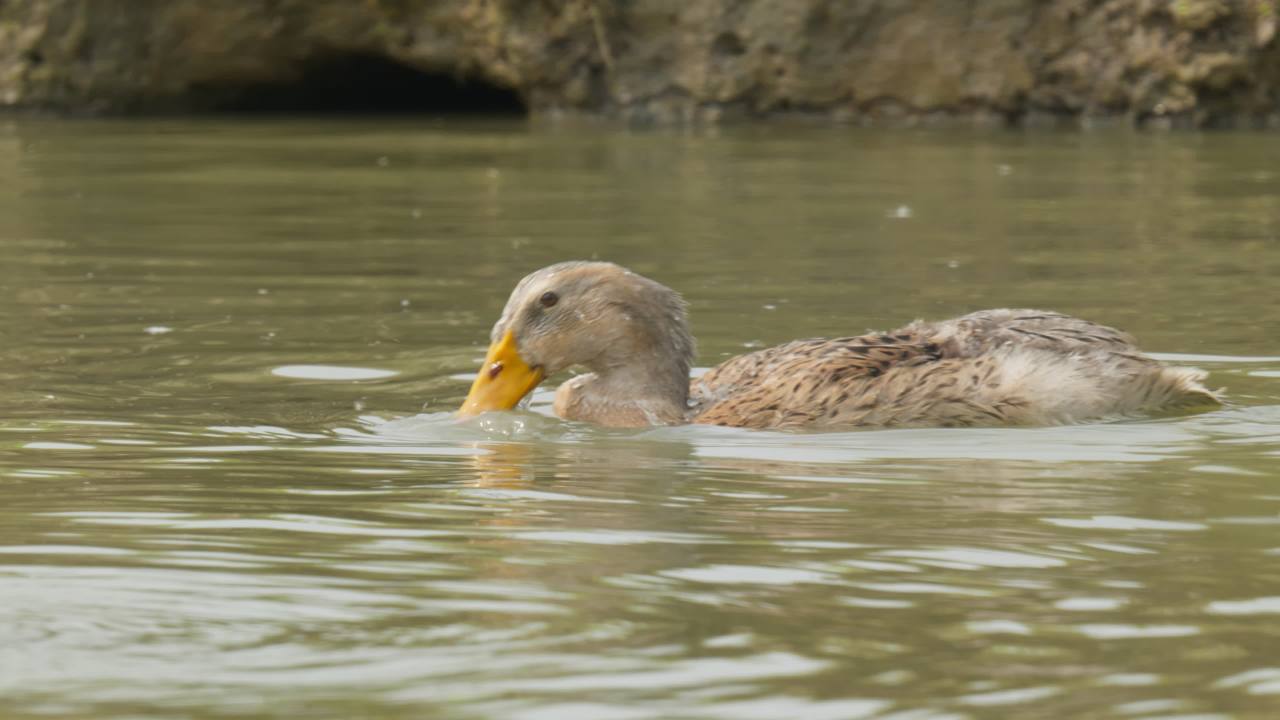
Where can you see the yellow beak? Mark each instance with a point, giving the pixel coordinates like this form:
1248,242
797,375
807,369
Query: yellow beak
503,380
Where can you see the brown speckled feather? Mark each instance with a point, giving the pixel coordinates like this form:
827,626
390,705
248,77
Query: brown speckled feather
995,367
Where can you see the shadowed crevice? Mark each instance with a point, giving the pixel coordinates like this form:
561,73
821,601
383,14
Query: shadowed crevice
363,84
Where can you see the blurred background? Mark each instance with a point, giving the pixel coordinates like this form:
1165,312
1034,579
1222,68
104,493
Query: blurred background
1179,63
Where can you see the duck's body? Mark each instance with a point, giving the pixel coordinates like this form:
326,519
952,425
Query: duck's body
994,367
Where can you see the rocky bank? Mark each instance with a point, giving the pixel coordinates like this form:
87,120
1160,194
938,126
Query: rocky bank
1146,62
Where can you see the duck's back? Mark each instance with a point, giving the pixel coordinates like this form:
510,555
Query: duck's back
994,367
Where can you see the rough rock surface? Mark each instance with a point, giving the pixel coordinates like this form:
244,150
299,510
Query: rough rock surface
1179,62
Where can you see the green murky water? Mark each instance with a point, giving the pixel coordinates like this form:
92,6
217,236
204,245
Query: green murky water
228,487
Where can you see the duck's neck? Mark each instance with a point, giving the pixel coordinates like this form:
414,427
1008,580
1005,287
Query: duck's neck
634,394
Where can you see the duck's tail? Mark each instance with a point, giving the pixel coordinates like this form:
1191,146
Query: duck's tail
1183,388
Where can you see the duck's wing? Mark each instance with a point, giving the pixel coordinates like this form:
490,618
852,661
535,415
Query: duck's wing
1065,369
986,331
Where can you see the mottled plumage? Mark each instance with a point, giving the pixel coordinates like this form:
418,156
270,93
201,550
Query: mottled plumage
994,367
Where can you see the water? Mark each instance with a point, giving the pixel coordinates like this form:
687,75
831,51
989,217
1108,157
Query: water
231,486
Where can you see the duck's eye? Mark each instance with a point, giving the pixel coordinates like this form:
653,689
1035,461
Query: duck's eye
549,299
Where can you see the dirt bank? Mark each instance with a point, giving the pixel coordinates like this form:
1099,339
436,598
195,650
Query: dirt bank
1147,62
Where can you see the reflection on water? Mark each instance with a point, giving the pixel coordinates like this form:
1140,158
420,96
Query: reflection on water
233,485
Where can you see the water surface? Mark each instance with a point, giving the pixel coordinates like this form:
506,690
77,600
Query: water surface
229,485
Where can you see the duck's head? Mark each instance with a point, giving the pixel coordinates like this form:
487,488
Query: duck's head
628,330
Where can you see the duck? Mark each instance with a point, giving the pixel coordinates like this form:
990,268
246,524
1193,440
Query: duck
630,334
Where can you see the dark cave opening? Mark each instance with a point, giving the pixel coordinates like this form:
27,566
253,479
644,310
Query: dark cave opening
364,83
